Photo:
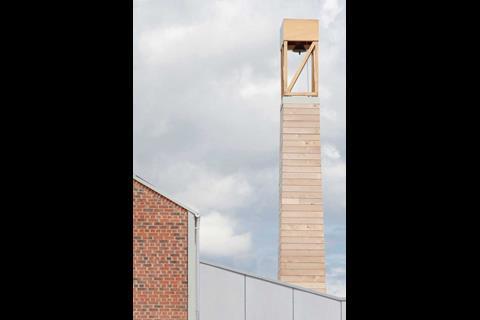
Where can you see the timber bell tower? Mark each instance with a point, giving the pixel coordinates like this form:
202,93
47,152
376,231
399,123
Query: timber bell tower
302,246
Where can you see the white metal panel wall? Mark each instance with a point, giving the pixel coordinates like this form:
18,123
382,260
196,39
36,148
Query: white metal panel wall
313,307
344,311
266,300
222,294
231,295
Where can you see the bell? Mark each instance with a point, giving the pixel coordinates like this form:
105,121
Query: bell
299,47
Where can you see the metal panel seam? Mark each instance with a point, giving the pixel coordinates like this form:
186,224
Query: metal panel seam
245,297
293,304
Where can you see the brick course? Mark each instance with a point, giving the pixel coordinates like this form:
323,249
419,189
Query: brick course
160,256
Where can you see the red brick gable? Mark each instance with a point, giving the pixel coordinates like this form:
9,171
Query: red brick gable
160,256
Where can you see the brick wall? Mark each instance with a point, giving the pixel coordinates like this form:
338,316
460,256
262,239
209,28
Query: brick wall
160,256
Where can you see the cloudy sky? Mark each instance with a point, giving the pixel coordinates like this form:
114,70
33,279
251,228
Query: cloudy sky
206,120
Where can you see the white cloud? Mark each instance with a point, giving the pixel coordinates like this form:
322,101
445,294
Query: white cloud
162,44
328,114
331,9
336,274
218,237
337,288
331,152
334,173
209,190
336,170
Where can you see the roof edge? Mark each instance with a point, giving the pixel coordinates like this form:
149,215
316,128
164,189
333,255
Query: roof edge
288,285
154,188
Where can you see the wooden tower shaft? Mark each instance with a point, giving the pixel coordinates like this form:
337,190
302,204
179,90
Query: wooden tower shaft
301,245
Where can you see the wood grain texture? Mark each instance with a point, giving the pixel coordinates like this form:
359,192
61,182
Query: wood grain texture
301,188
303,253
300,233
302,243
300,227
301,240
301,117
294,259
302,272
302,207
306,278
315,220
301,124
300,200
308,150
301,214
301,169
300,137
300,30
300,143
302,130
301,156
301,111
302,175
302,195
301,265
301,162
301,182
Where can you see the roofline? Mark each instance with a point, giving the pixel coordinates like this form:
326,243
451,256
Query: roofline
340,299
154,188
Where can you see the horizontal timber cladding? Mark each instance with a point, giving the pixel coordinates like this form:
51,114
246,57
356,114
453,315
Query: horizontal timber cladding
300,265
302,175
302,207
300,200
306,168
301,110
302,247
302,214
302,117
303,253
302,259
301,143
287,226
302,272
306,272
302,227
300,137
302,195
301,156
301,240
301,130
300,233
302,149
297,188
308,220
301,182
305,278
301,124
301,162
